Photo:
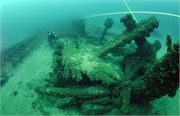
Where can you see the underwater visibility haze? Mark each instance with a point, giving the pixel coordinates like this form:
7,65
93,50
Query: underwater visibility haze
89,57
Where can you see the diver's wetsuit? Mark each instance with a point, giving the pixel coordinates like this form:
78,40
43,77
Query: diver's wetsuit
52,37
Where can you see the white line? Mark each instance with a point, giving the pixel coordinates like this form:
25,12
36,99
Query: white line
132,12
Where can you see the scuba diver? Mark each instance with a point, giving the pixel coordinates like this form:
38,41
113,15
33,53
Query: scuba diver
52,37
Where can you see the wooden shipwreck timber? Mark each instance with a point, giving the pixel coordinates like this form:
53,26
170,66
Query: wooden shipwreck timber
83,76
15,54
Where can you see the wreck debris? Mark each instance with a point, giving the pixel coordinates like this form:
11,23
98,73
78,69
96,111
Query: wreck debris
80,77
66,102
144,28
121,95
78,58
138,62
126,95
157,45
161,79
108,24
76,92
79,26
169,42
70,62
15,55
94,109
129,22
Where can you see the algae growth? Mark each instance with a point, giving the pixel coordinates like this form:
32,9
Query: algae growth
83,76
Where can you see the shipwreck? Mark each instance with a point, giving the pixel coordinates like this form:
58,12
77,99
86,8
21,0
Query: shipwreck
86,73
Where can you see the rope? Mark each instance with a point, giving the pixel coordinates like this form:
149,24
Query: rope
139,12
130,11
